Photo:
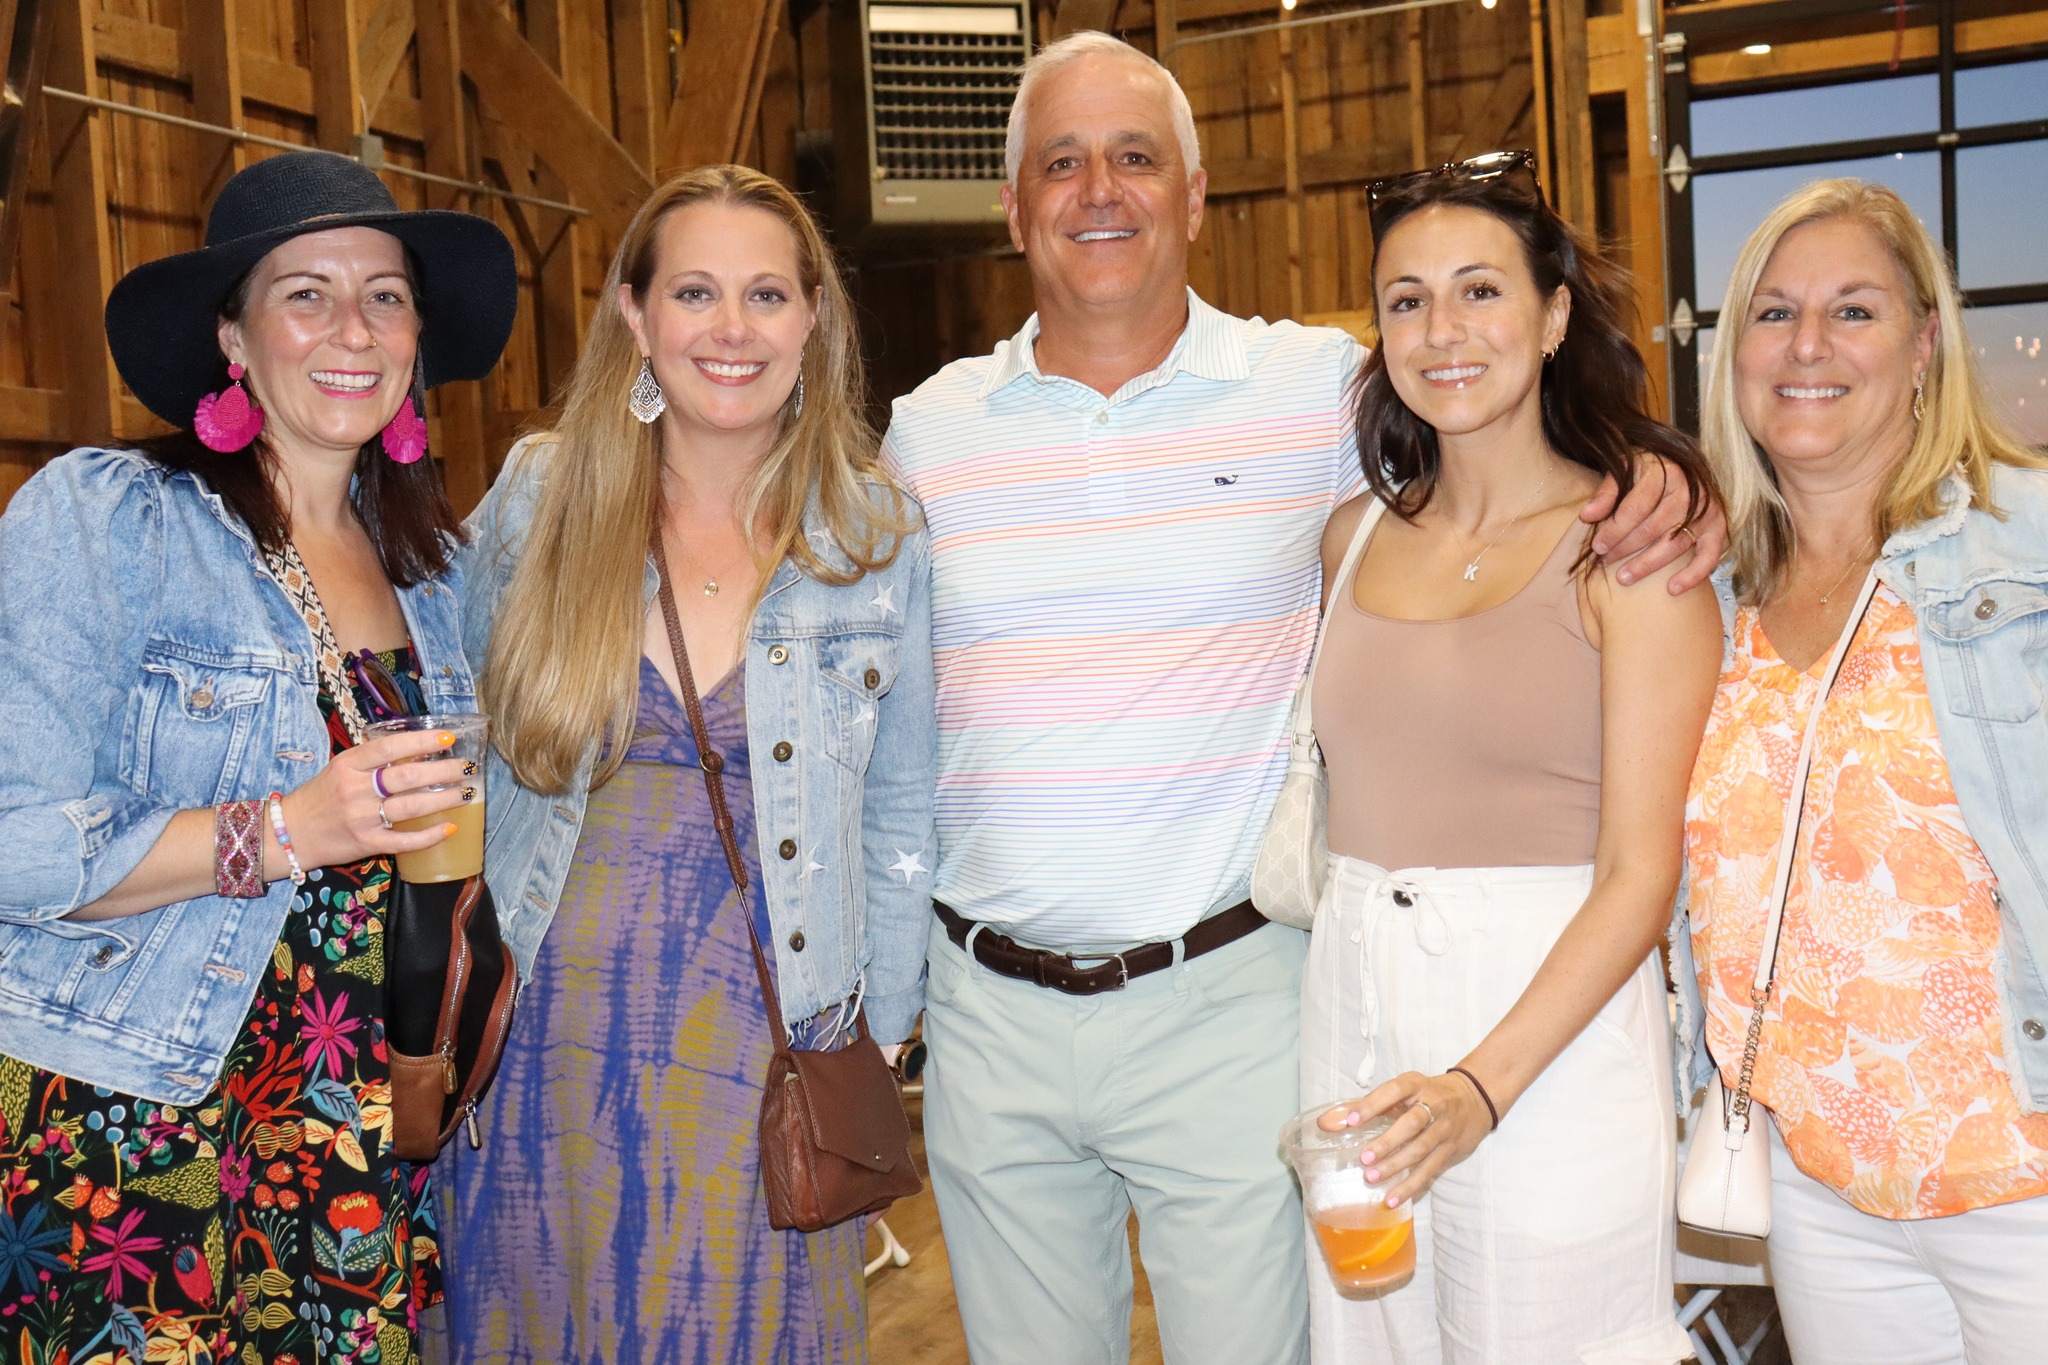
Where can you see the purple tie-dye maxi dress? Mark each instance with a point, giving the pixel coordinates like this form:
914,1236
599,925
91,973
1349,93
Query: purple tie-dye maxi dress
615,1212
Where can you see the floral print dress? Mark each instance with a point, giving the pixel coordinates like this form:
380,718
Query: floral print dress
269,1224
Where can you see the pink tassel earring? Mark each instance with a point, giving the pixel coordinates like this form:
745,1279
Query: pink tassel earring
229,420
405,435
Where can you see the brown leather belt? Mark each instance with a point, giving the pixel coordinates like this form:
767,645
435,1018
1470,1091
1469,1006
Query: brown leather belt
1058,971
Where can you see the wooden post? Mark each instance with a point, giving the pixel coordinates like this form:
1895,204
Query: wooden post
1165,32
1539,71
459,442
1646,218
1418,89
213,39
640,75
79,189
560,266
1290,152
337,74
1571,113
380,50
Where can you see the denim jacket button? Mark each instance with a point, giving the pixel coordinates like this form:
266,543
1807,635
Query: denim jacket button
202,697
778,655
1987,609
787,848
796,941
106,955
872,679
783,751
447,671
2032,1028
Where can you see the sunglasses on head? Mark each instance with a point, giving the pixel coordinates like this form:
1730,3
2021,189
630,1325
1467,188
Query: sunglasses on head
387,701
1512,170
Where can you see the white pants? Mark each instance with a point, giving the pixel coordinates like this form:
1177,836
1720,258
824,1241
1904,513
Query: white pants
1552,1243
1854,1288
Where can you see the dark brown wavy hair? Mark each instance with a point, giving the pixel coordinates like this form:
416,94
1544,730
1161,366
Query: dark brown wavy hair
1595,393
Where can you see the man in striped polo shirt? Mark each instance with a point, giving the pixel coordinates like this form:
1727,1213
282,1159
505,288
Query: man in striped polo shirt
1125,503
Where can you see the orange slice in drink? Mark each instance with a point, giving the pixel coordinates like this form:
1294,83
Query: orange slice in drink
1376,1247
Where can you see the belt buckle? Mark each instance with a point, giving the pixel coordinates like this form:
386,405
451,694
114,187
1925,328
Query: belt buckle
1123,971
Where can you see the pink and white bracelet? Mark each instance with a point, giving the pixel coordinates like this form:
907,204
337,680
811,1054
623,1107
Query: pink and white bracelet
284,839
238,849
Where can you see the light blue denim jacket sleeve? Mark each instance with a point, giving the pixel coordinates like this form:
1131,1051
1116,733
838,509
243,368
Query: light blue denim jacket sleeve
147,665
1978,585
841,674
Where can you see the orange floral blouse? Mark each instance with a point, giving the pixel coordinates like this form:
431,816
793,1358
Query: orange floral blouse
1883,1047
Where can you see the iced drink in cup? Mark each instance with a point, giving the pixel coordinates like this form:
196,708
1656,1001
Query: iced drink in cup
1367,1245
461,854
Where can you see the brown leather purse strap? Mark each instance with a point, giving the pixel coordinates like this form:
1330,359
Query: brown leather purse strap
713,764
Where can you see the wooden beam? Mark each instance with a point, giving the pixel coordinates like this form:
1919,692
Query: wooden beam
527,94
640,76
212,37
458,407
336,73
20,112
380,49
33,415
79,192
1290,154
1571,111
721,66
1488,129
557,264
1713,64
1418,95
1165,33
1646,222
1539,72
1343,164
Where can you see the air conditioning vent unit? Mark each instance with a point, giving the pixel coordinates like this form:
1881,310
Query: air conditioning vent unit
921,101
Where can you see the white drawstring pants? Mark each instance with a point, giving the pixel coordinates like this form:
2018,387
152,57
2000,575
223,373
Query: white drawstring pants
1552,1244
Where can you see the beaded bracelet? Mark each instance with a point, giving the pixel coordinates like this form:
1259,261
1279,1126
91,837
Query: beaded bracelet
284,840
238,849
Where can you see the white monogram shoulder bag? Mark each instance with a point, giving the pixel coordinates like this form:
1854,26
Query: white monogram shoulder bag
1726,1187
1294,857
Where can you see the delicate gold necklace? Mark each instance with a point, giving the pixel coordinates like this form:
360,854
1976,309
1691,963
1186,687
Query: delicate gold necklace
1472,566
1854,564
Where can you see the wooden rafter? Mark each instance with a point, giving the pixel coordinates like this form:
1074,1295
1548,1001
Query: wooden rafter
527,94
380,48
706,125
337,77
78,175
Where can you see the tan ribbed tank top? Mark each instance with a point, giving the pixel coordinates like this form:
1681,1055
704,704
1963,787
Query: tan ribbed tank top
1472,742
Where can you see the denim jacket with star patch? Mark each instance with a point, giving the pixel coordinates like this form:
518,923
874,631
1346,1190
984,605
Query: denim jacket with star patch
148,664
838,679
1978,585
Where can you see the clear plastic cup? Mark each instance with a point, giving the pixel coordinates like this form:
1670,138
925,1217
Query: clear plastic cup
1368,1247
461,854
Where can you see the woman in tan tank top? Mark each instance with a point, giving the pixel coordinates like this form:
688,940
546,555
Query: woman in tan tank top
1508,730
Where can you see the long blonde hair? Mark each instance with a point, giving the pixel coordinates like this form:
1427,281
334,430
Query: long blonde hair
562,671
1961,430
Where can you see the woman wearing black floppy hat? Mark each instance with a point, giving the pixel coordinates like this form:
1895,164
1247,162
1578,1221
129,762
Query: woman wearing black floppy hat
195,839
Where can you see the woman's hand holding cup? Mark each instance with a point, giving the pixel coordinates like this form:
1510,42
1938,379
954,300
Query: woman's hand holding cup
1440,1121
348,811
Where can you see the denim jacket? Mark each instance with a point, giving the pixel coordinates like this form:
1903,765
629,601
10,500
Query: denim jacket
844,675
148,664
1978,584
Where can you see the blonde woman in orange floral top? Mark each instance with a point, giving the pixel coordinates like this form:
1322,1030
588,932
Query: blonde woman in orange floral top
1901,1057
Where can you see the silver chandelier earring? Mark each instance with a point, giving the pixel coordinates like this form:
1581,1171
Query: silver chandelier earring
646,401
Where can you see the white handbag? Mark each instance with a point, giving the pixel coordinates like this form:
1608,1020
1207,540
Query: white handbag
1294,856
1726,1185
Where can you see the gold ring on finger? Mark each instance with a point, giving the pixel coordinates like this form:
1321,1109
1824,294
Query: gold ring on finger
1687,532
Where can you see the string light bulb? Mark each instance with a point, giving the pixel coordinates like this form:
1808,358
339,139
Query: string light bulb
1488,4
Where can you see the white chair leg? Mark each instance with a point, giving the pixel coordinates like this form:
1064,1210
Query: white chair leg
893,1252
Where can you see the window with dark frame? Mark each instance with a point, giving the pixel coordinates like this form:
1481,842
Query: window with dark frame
1962,138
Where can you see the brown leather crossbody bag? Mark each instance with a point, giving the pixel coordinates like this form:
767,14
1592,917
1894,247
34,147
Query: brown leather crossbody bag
834,1140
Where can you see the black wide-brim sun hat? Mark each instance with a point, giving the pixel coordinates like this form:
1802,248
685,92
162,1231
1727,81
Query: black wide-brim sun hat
163,317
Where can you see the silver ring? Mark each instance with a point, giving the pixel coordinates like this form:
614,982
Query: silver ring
1423,1105
377,781
382,818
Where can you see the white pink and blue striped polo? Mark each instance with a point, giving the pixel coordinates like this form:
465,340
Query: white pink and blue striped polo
1124,599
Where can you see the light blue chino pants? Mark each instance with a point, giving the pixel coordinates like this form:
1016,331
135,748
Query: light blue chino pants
1049,1117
